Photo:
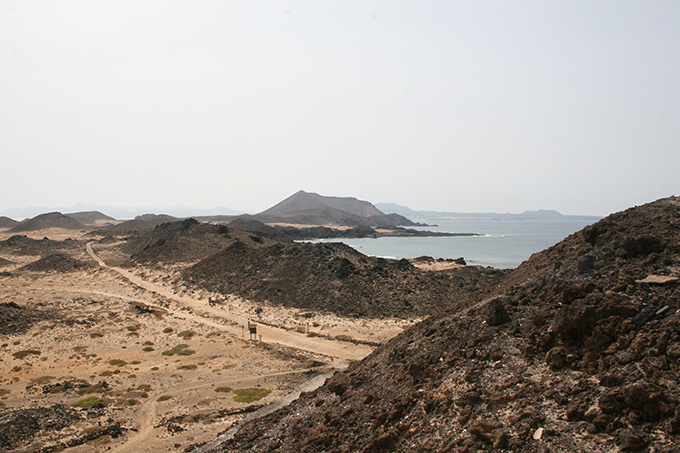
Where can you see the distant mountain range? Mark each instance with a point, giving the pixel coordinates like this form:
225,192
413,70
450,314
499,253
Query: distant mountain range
301,208
306,208
121,213
541,214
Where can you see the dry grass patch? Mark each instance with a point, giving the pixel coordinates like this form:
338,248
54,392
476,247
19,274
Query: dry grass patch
250,394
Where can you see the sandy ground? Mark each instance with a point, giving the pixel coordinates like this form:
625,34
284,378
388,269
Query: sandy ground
120,327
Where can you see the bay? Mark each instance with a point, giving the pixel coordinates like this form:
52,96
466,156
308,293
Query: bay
502,244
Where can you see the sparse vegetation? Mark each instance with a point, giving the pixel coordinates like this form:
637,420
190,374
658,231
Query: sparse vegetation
164,398
97,388
147,349
223,389
250,394
79,349
187,367
96,335
186,334
117,362
88,402
4,392
26,353
168,330
180,349
42,380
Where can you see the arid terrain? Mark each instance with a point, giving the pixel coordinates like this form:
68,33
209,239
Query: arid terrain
578,349
106,344
160,358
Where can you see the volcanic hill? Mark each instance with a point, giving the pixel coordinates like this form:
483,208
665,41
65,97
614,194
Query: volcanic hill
322,277
144,222
578,350
91,218
305,208
48,220
6,222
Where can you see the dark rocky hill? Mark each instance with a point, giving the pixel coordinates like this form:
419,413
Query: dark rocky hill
306,208
144,222
186,242
49,220
6,222
26,246
336,278
90,218
578,350
57,262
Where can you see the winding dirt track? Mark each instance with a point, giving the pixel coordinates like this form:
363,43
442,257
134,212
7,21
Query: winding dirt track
340,351
201,312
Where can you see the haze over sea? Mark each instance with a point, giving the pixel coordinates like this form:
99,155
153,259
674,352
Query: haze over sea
503,244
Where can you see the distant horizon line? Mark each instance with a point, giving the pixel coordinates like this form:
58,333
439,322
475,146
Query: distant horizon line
183,211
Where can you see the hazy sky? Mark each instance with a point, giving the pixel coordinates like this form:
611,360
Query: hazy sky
444,105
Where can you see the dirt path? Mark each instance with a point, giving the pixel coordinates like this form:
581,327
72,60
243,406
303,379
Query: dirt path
199,310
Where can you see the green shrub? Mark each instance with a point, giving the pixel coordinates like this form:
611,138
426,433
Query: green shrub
26,353
186,334
180,349
187,367
168,330
117,362
223,389
163,398
88,402
250,394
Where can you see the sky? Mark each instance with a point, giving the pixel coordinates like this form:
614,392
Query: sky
467,106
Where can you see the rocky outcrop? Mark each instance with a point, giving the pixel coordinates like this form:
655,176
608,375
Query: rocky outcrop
574,352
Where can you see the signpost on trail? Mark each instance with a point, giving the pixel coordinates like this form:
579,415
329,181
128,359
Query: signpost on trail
252,330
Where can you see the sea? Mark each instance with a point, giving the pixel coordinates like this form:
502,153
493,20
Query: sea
502,244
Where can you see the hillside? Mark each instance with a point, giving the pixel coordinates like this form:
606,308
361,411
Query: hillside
186,242
578,351
91,218
306,208
49,220
335,278
144,222
6,222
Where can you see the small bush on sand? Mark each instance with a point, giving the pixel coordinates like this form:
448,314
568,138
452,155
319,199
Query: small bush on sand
168,330
26,353
88,402
96,335
117,362
223,389
163,398
180,349
186,334
250,394
187,367
147,349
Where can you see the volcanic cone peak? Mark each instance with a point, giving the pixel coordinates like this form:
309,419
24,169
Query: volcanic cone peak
49,220
574,353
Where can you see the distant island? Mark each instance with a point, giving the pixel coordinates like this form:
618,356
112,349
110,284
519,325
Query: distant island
541,214
301,216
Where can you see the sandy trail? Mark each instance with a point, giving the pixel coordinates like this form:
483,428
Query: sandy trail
340,351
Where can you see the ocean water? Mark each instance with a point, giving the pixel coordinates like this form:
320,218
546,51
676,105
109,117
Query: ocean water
503,244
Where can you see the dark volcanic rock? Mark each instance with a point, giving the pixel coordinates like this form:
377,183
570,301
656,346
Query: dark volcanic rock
16,319
17,426
567,370
26,246
57,262
49,220
336,278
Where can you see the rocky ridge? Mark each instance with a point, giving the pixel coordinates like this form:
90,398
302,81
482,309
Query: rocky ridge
577,350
